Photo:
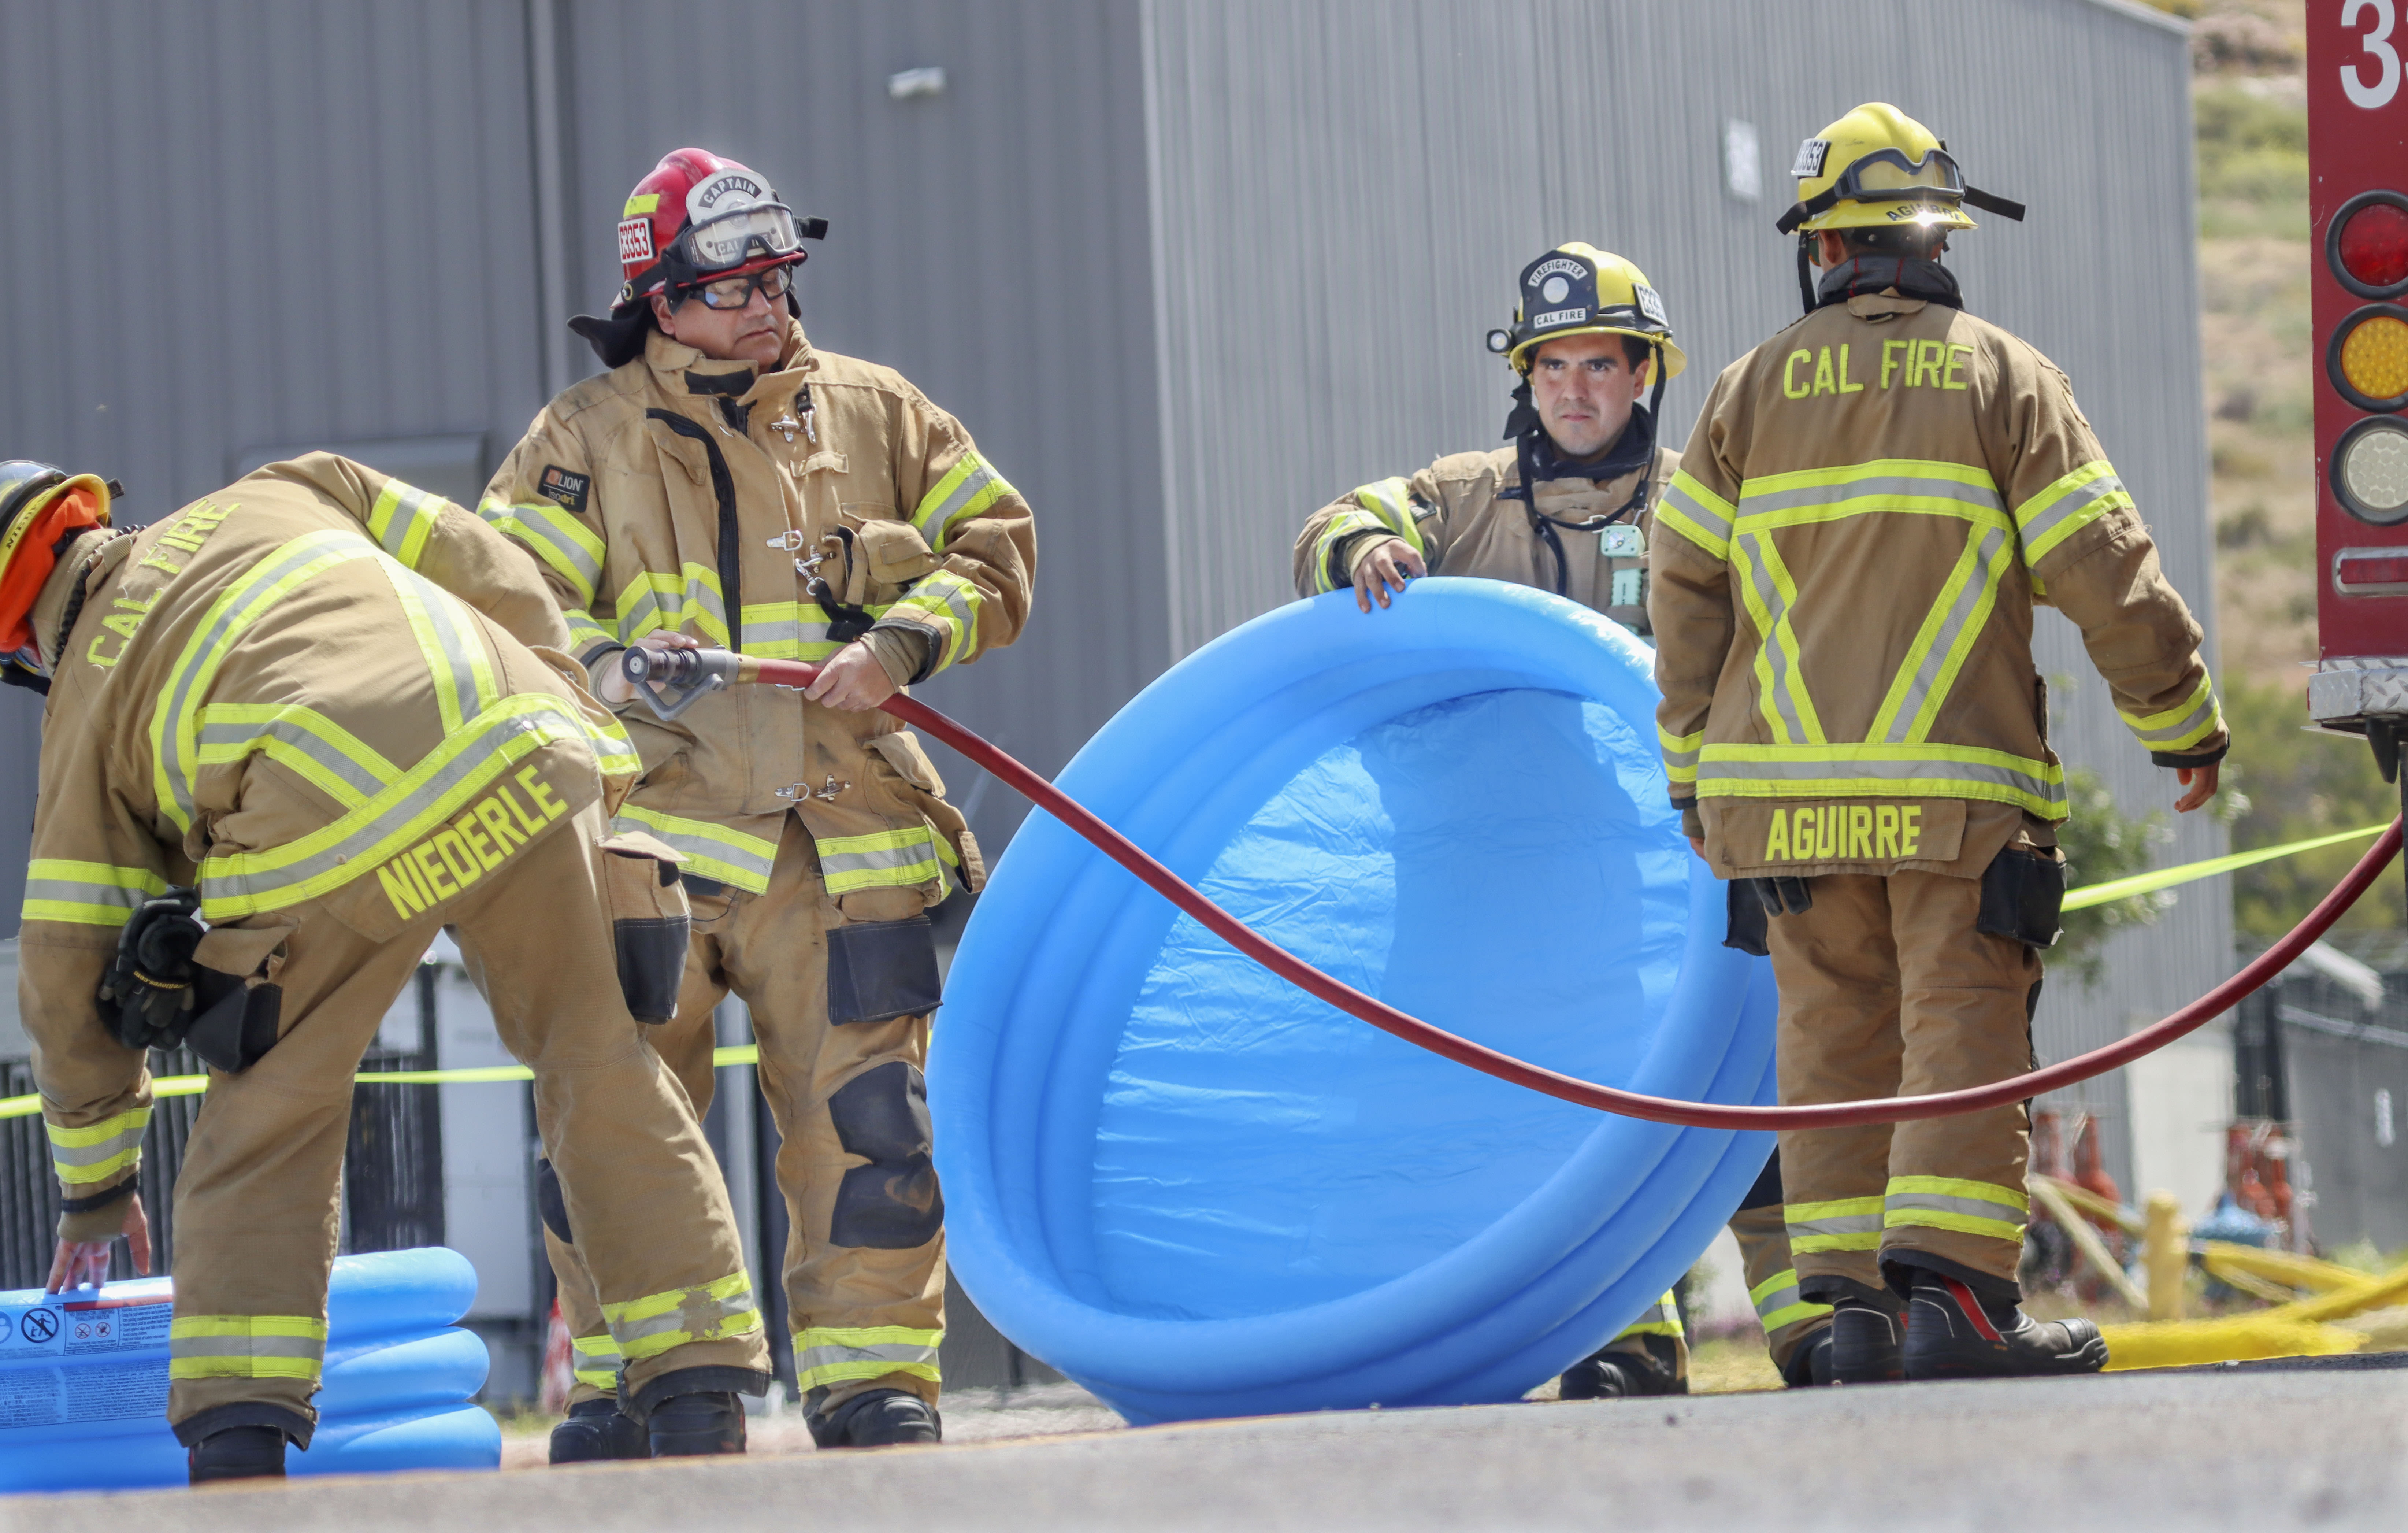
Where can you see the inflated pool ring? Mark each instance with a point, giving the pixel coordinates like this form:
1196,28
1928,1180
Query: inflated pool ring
83,1378
1200,1191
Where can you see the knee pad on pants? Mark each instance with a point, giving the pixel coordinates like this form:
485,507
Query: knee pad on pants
893,1203
881,969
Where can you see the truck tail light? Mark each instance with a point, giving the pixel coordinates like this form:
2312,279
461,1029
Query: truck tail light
2368,245
2368,360
2371,572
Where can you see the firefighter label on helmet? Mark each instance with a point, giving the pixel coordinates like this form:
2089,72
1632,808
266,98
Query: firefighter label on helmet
1579,290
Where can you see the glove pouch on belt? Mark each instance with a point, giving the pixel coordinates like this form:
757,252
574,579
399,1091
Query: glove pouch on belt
649,922
2023,894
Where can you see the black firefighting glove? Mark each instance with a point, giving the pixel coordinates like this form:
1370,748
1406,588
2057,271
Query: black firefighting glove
146,995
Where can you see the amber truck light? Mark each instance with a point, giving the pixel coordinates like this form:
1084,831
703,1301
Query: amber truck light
2368,359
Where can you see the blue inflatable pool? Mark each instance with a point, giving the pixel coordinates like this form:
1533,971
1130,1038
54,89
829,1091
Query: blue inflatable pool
1200,1191
83,1380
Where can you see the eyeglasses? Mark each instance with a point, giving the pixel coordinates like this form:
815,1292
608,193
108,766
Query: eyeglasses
737,291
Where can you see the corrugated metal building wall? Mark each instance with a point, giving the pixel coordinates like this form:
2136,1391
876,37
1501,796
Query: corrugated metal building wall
1186,268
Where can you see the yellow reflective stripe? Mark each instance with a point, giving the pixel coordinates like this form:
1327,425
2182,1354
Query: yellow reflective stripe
449,641
1392,501
2068,506
402,518
596,1360
1954,1203
829,1354
2185,723
1944,640
587,635
884,859
949,603
86,894
714,1311
794,630
1843,1224
1770,596
1696,513
321,751
97,1151
711,851
174,720
966,490
1680,754
1882,770
246,1347
1334,533
1790,1315
1667,1321
555,536
656,600
1908,486
247,882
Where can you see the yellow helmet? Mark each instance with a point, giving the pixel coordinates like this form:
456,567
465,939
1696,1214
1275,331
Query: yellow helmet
1579,290
1879,168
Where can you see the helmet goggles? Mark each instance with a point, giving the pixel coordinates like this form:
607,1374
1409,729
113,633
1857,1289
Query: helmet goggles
762,231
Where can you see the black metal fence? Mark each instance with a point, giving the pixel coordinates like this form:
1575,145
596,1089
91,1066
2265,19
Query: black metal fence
392,1181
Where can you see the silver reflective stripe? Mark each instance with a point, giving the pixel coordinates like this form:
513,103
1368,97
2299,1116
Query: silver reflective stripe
412,516
882,859
241,733
1846,1224
1929,770
894,1353
128,1138
689,1319
1972,1208
653,607
1985,547
1871,487
394,812
1775,638
312,1347
179,706
750,865
539,525
468,690
2188,725
934,520
1779,1299
2041,526
959,607
1697,510
87,892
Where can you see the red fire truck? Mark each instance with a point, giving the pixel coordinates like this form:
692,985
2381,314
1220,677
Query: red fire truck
2358,145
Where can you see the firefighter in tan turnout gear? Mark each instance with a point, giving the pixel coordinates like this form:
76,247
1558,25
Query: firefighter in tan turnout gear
727,483
1568,507
1844,573
293,730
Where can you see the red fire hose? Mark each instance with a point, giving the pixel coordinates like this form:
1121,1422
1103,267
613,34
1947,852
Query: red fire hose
1891,1110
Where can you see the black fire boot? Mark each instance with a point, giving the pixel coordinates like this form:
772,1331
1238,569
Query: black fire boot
1810,1366
236,1453
698,1424
1868,1341
1953,1333
598,1431
1616,1374
878,1418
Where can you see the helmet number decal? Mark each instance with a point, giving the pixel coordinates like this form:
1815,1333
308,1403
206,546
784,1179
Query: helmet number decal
1810,155
1650,305
634,240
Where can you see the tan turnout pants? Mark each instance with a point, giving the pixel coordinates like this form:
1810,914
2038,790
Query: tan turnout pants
258,1200
864,1266
1887,989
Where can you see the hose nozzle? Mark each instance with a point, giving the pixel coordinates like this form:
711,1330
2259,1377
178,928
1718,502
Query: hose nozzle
670,681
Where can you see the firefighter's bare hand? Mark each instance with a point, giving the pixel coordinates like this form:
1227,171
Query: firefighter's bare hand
1697,845
84,1264
854,681
2201,781
1388,565
616,689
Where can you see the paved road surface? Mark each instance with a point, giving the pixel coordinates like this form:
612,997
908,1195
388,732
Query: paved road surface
2254,1448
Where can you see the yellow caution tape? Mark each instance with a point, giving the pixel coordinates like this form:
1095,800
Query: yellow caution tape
2166,877
193,1085
747,1054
